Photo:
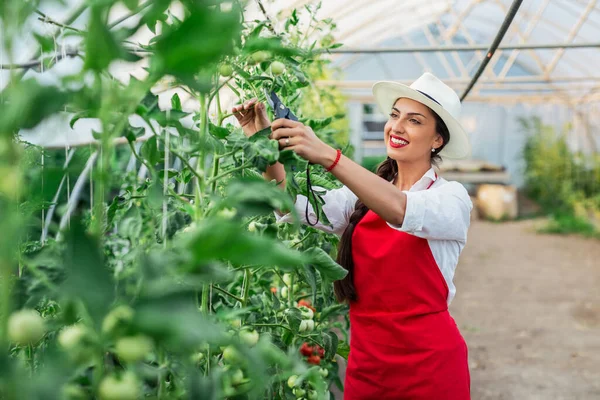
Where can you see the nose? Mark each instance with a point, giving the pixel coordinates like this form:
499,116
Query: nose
398,126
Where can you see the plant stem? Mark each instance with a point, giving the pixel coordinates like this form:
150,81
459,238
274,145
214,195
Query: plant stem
216,160
247,277
291,291
231,171
137,10
44,18
204,300
225,292
202,158
31,356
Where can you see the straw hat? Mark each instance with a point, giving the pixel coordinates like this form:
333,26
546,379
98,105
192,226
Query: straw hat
436,95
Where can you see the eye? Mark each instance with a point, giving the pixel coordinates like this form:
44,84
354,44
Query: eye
393,115
415,121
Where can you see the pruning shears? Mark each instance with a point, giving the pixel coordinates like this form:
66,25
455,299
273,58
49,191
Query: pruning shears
279,109
282,111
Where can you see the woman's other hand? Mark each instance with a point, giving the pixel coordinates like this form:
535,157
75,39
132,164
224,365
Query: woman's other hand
252,116
295,136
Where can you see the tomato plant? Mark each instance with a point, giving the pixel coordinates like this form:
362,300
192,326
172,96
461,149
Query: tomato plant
174,283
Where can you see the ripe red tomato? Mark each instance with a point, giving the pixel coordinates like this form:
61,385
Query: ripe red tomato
306,349
274,290
306,303
321,351
315,360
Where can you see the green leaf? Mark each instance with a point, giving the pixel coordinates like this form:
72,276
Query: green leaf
251,196
330,341
262,150
294,317
27,103
167,117
78,116
326,266
101,45
343,350
131,4
185,49
218,239
150,151
176,102
175,321
88,278
336,309
47,44
272,45
317,124
218,131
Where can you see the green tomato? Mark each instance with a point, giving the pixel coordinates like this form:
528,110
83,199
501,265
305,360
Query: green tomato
26,327
306,325
260,56
250,338
237,377
118,316
126,388
284,292
287,279
133,348
73,392
226,70
227,213
312,395
306,312
72,336
10,184
231,355
291,382
236,322
298,392
252,227
196,358
323,372
277,68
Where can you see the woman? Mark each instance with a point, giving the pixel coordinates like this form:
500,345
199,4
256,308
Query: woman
403,230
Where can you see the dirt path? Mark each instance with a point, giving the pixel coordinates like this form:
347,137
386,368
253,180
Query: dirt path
529,308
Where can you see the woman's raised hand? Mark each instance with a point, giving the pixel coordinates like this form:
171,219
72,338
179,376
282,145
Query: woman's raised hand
295,136
252,116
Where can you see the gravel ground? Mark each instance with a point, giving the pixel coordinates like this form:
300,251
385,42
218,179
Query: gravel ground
528,306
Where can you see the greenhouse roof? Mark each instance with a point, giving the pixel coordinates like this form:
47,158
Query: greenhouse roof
381,40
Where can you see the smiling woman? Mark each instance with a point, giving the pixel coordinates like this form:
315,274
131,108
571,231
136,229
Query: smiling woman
402,231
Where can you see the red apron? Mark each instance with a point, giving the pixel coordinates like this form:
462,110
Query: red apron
404,343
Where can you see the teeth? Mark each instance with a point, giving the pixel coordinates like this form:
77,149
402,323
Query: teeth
398,141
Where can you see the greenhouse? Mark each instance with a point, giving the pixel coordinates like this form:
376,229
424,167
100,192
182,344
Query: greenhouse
190,193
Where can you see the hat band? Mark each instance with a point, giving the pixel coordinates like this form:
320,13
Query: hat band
425,94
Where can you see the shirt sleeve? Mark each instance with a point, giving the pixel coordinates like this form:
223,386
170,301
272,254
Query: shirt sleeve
338,207
441,213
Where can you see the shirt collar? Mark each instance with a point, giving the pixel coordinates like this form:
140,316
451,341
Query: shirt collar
426,181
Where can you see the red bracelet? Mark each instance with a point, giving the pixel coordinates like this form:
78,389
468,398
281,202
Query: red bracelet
337,160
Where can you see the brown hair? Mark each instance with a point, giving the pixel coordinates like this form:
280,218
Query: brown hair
344,289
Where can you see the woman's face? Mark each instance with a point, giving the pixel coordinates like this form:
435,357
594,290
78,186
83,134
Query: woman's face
410,132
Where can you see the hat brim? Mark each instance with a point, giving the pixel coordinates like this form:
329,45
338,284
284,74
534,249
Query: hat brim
386,94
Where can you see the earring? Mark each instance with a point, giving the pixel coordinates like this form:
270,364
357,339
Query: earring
433,150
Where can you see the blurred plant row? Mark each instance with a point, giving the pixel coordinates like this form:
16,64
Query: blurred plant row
565,184
176,282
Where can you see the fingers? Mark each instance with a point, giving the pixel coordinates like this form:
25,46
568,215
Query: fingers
285,123
240,110
287,143
284,132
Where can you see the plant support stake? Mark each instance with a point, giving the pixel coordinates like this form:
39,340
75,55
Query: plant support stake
507,21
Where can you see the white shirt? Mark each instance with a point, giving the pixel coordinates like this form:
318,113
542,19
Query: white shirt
441,215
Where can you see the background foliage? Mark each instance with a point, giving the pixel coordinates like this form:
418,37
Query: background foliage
178,284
